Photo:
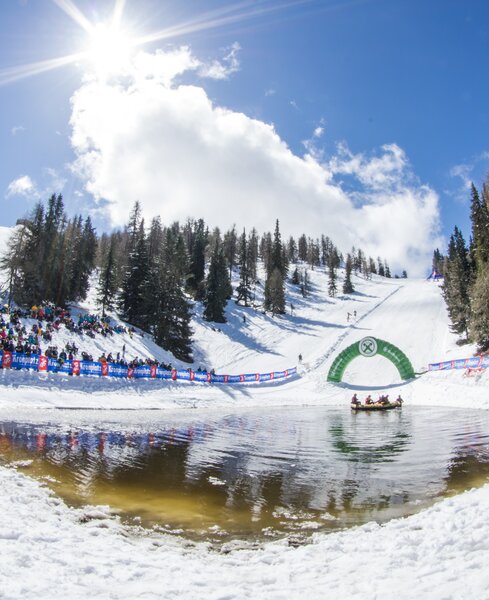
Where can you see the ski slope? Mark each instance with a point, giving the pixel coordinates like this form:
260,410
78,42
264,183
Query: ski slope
408,313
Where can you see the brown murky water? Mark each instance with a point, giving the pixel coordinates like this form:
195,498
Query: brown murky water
262,473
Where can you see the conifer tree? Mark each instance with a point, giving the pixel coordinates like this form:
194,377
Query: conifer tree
275,297
480,227
313,254
266,251
327,247
437,261
218,287
243,291
170,323
277,257
479,317
230,248
275,293
133,298
332,289
304,283
302,248
347,284
253,255
457,282
197,260
13,260
107,283
291,250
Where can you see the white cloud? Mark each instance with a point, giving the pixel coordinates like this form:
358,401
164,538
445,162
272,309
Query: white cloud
56,181
467,173
224,68
17,129
378,172
318,132
22,186
166,144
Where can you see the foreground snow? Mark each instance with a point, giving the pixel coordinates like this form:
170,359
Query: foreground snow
49,549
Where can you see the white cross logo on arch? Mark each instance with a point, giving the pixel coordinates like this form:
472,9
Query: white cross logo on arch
367,346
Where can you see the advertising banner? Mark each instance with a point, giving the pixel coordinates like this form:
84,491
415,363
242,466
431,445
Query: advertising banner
22,361
474,362
77,367
43,364
119,371
7,360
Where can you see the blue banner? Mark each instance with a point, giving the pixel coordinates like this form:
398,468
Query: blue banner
117,370
97,369
163,373
21,361
90,368
474,362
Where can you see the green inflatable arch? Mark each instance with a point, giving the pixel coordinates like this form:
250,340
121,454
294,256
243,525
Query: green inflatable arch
371,346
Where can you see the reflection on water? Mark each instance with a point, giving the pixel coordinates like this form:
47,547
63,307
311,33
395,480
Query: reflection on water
261,473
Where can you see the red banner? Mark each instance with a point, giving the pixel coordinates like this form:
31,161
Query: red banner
257,377
7,360
75,367
192,375
241,378
130,372
174,374
152,371
209,377
105,369
43,364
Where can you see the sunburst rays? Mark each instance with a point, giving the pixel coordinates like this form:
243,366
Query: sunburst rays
228,15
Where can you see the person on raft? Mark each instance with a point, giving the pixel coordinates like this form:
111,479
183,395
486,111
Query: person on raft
384,399
355,400
368,400
399,399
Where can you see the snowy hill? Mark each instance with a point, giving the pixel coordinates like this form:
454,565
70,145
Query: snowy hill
408,313
4,235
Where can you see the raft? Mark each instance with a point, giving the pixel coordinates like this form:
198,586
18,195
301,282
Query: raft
377,406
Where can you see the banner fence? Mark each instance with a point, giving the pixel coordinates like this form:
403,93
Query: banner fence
43,364
475,362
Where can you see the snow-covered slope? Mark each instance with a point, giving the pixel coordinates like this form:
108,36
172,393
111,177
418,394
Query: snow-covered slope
4,235
409,313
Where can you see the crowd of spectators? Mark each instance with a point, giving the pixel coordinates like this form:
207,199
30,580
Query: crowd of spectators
15,336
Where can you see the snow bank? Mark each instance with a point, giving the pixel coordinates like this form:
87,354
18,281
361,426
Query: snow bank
48,549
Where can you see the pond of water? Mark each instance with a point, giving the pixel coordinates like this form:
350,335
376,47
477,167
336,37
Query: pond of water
259,474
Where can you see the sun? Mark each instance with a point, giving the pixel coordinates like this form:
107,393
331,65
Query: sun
109,49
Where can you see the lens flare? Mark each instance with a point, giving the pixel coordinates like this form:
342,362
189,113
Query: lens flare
109,49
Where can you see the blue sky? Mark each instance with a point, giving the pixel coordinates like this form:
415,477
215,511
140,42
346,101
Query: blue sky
376,98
